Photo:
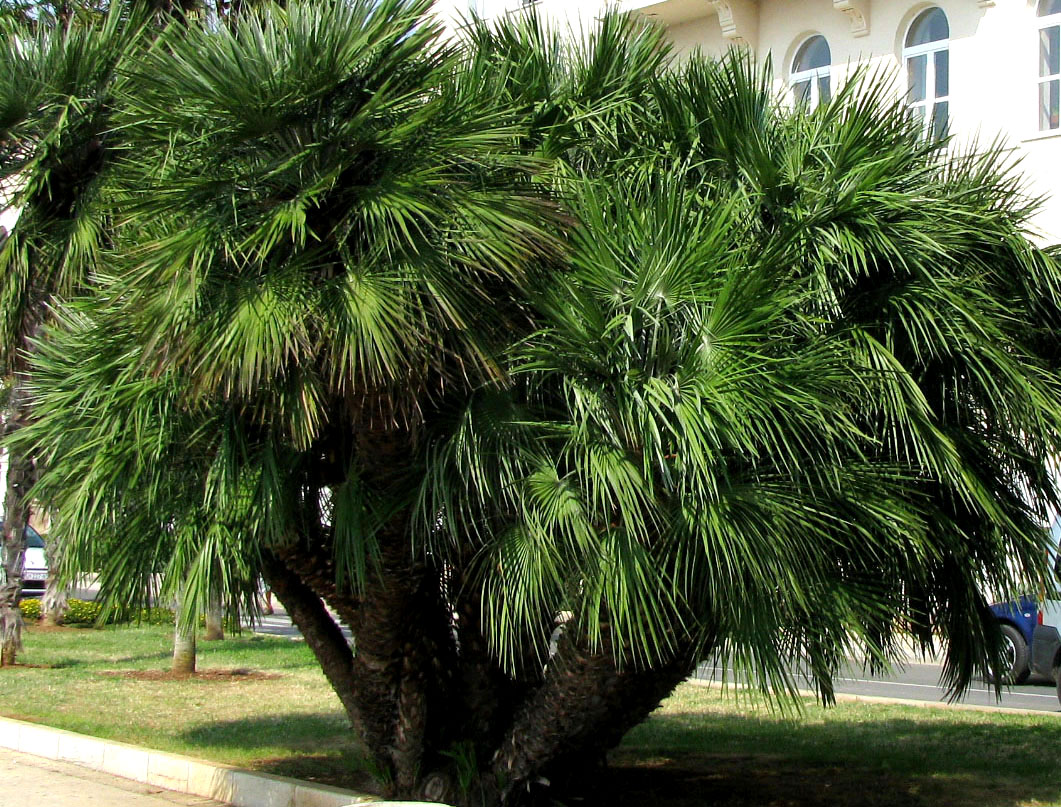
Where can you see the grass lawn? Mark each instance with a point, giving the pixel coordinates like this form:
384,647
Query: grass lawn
264,704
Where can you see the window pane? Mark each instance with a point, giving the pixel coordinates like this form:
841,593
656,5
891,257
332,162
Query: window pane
917,115
1048,7
813,53
942,73
940,120
916,69
823,89
801,92
1050,50
1049,104
931,26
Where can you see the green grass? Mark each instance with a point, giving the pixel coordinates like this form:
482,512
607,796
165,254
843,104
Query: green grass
283,719
850,754
703,747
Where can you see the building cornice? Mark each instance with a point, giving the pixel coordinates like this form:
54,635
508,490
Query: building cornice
739,20
858,12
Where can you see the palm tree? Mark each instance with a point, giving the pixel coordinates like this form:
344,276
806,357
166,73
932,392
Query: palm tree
55,141
61,65
553,368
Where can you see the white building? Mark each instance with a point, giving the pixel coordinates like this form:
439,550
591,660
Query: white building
981,68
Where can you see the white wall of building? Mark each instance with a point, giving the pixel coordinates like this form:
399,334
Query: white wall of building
994,51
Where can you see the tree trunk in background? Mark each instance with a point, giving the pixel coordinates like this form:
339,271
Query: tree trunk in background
184,647
215,621
20,478
54,602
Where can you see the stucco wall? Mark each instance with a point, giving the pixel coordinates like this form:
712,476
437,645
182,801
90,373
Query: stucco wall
704,33
993,60
993,71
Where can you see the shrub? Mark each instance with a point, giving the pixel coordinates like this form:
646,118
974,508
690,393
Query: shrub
31,609
155,616
87,612
82,612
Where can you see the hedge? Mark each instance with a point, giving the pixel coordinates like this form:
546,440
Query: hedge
87,612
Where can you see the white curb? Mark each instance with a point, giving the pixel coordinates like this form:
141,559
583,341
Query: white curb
195,777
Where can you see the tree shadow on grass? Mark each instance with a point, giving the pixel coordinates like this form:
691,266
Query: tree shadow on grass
141,657
701,759
257,650
61,664
687,759
314,747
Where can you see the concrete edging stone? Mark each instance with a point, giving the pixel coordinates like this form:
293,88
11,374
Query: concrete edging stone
182,774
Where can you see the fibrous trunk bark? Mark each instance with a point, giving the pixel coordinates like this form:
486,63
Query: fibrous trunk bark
56,596
20,478
584,706
470,734
421,686
387,686
54,602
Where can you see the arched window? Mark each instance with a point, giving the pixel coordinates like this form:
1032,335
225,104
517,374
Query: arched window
927,58
1049,64
810,72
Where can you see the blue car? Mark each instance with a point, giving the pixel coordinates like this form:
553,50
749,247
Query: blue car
1017,622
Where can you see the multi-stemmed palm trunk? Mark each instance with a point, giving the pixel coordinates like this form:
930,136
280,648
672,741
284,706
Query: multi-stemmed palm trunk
551,372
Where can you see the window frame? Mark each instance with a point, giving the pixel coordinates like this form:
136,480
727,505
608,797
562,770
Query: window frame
812,74
928,50
1043,22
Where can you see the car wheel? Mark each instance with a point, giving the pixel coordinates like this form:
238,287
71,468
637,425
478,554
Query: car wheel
1059,686
1014,656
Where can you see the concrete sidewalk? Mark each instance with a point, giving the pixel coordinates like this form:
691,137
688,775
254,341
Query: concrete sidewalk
210,782
35,780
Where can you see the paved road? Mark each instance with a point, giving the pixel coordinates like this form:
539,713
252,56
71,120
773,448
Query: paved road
30,780
279,624
920,682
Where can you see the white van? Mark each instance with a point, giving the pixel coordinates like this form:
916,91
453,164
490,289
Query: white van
35,565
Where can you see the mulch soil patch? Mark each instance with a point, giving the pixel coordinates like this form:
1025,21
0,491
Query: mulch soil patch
229,676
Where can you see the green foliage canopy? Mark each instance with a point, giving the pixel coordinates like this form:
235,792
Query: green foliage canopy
593,334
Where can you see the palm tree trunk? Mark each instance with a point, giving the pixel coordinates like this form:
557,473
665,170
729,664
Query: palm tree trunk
20,478
583,708
391,687
55,599
423,690
419,705
302,602
184,647
215,619
54,602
